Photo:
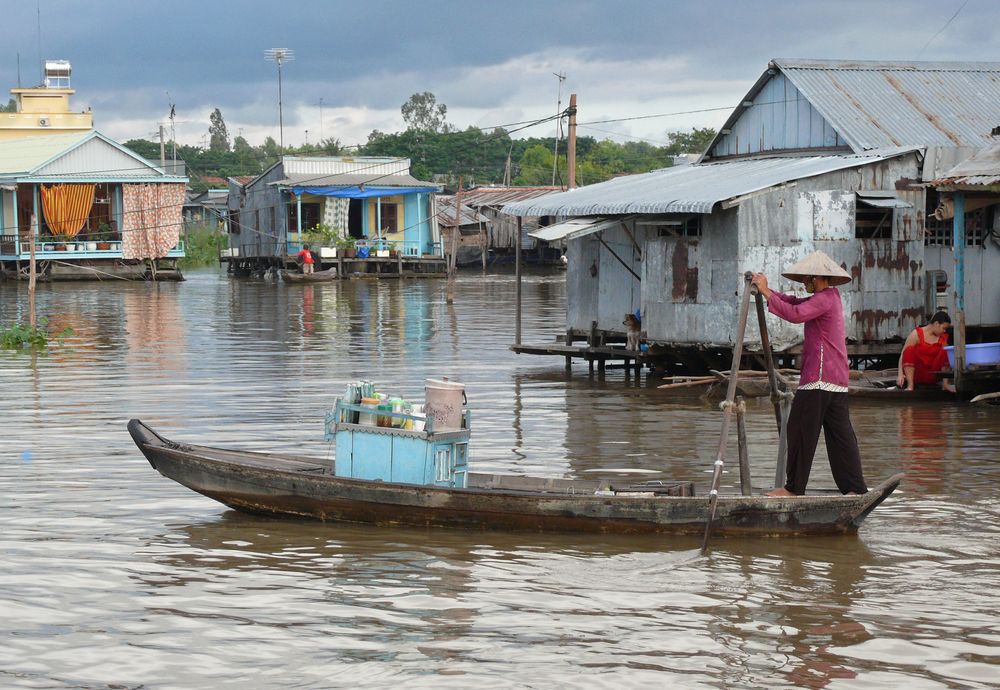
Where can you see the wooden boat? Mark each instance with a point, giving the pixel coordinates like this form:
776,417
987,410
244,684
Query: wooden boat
317,277
303,487
875,385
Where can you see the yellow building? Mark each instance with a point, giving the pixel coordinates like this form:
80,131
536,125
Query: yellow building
44,109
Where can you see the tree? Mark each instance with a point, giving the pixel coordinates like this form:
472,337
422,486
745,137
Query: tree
11,107
423,112
217,130
242,146
695,141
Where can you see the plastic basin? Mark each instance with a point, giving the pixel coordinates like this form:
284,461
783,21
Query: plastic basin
977,353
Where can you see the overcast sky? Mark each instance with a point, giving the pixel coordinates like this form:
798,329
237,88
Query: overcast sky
490,62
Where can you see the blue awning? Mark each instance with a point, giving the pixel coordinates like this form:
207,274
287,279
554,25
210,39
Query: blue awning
357,192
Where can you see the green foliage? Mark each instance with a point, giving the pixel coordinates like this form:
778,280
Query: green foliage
439,151
201,246
218,132
18,336
321,236
695,141
424,113
11,107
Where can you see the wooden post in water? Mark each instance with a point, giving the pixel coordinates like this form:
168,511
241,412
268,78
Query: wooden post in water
31,273
454,244
958,247
517,272
744,451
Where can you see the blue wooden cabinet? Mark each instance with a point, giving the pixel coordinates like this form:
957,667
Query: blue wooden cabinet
392,454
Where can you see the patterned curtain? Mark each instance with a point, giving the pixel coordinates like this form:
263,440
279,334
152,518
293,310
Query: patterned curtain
67,207
335,214
151,219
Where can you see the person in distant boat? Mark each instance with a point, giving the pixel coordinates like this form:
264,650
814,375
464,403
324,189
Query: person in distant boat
821,398
924,355
305,259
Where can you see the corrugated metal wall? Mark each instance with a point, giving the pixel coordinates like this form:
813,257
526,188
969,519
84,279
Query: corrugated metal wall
689,283
100,158
328,166
982,278
258,236
780,118
886,297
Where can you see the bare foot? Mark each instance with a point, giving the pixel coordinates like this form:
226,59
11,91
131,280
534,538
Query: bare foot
780,492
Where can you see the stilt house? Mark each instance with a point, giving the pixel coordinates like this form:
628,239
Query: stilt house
820,154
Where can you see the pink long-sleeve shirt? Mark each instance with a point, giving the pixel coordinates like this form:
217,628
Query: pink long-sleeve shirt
824,350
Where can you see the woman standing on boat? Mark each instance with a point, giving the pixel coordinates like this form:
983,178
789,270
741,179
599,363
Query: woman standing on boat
821,398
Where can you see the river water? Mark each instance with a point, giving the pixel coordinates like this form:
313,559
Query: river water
113,576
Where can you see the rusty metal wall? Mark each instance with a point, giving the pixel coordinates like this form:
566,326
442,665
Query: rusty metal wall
886,297
689,283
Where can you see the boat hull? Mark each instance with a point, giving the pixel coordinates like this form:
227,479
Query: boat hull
292,486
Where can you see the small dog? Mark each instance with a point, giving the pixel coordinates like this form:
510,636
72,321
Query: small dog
632,332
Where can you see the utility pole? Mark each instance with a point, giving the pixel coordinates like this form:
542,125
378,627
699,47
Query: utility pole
163,151
454,244
571,143
321,121
555,149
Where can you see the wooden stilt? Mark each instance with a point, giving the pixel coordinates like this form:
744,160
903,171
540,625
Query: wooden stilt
744,452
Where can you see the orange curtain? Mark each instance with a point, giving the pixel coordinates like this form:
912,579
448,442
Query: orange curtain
67,207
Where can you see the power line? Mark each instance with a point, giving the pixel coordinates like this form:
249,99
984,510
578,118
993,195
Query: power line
938,32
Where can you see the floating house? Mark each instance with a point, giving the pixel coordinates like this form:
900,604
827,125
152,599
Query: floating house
90,208
373,201
499,229
820,154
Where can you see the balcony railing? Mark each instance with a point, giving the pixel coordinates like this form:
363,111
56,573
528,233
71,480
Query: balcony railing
407,248
12,247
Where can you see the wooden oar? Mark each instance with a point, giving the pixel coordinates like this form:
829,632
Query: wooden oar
727,409
690,382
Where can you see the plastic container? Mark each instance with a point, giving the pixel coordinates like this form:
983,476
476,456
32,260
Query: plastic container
369,418
444,400
982,354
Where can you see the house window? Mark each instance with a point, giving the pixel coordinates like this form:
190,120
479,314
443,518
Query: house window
310,216
234,222
390,219
676,227
872,222
980,223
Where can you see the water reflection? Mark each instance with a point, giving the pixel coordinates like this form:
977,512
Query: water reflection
114,575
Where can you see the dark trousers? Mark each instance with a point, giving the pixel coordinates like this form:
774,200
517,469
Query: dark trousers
812,409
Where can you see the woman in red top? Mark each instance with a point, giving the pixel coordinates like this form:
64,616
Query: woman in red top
924,355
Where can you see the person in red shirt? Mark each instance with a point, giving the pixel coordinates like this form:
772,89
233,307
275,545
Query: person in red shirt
305,258
924,355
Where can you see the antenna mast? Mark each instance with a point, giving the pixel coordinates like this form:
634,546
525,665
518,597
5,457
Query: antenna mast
279,56
555,149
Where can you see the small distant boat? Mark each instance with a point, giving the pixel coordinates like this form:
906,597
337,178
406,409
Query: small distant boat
317,277
303,487
875,385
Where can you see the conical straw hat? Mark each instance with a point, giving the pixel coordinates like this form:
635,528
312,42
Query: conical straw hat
817,264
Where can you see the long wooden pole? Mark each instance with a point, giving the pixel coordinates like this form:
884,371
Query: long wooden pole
454,243
571,143
744,451
517,273
779,396
31,273
727,408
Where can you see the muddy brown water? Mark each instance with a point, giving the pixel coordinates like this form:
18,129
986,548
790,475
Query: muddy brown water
113,576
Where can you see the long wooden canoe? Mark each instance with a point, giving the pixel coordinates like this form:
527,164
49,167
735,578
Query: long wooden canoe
303,487
317,277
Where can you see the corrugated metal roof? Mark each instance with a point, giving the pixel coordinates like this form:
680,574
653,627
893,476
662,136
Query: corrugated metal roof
500,196
875,104
690,188
983,168
574,228
353,180
446,213
25,154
